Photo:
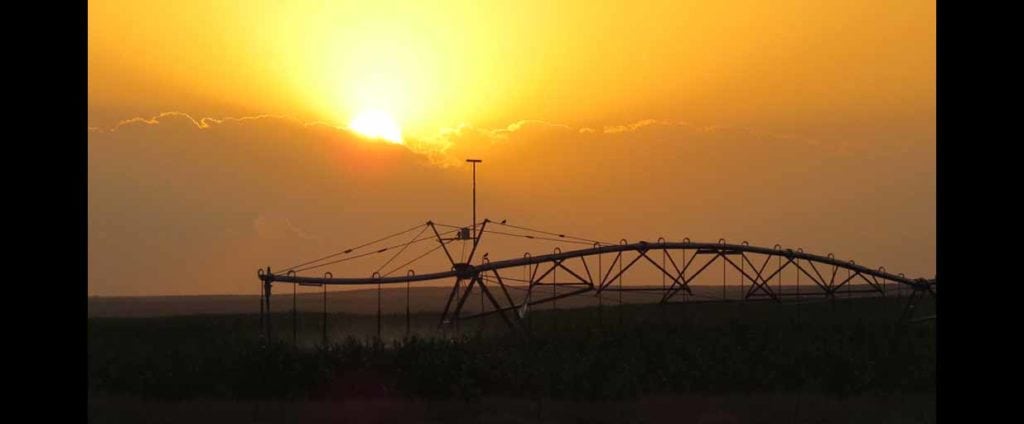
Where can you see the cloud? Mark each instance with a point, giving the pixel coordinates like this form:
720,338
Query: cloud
519,125
164,116
203,123
634,126
439,148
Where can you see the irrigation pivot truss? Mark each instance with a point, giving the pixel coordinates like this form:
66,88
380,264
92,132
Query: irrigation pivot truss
597,269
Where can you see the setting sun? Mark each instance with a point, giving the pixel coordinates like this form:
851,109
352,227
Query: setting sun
377,124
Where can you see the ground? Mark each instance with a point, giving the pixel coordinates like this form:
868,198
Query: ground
819,362
720,409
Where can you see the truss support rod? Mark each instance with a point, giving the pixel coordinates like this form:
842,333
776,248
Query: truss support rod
263,292
476,239
267,286
686,283
441,240
606,284
448,304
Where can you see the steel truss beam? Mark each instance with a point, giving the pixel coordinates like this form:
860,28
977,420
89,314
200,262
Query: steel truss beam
680,281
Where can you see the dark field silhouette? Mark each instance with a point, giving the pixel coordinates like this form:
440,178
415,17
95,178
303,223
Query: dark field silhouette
741,360
678,408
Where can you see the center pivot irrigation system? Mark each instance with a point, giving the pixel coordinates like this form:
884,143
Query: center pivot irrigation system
595,270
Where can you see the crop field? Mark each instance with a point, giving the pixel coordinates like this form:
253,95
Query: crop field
849,350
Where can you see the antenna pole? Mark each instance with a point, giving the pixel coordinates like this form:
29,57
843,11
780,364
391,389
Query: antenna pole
474,162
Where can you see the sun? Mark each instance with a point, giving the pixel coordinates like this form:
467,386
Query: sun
375,123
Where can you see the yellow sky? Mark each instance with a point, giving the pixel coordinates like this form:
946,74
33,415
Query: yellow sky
829,102
434,65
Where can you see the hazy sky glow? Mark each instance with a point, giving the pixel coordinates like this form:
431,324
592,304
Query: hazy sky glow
221,133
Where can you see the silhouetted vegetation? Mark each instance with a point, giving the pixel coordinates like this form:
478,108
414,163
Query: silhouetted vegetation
847,348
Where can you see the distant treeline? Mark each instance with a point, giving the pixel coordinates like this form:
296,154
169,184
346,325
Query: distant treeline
395,299
851,347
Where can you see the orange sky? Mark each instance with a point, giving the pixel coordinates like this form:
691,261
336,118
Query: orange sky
805,123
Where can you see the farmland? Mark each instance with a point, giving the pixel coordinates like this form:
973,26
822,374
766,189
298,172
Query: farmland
844,349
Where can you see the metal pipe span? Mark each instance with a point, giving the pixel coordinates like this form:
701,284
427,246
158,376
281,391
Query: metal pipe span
641,246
